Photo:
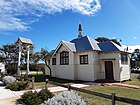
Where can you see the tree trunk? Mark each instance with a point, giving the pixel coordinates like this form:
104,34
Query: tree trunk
49,68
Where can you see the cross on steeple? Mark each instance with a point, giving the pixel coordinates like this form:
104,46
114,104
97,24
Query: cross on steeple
80,31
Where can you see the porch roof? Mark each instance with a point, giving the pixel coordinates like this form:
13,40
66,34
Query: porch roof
107,58
24,41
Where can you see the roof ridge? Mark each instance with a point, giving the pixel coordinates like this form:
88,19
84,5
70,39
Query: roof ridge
78,38
118,47
90,42
68,42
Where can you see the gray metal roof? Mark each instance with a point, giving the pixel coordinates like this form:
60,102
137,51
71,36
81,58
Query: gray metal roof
25,40
107,58
94,44
49,55
110,46
85,44
70,45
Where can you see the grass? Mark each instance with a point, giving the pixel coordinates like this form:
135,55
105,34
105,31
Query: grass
95,100
40,80
119,91
32,72
39,84
135,80
42,85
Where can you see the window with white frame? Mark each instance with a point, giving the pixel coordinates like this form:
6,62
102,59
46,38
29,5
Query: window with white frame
64,58
83,59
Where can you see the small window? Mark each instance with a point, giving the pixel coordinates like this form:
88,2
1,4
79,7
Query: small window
53,61
48,62
64,58
83,59
124,58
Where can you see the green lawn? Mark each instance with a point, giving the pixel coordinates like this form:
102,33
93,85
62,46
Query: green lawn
32,72
119,91
135,80
95,100
40,81
39,84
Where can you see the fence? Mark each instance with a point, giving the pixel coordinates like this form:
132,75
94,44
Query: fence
111,97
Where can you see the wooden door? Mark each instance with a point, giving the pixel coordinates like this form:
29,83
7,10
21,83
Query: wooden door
109,70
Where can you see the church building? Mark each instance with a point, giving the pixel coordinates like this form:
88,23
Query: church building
83,58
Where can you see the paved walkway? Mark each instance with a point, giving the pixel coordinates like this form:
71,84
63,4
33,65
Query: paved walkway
124,85
59,88
8,97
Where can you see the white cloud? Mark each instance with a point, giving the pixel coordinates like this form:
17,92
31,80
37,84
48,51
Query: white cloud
131,48
18,14
134,37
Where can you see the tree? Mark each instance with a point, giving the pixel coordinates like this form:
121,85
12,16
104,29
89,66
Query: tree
135,58
37,56
9,55
43,53
104,39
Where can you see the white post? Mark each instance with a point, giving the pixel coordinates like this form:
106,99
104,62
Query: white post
28,71
19,57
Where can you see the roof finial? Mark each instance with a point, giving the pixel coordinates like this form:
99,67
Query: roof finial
80,31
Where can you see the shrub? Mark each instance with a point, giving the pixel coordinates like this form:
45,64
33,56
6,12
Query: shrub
39,78
31,98
45,94
34,98
11,68
18,85
8,80
66,98
33,67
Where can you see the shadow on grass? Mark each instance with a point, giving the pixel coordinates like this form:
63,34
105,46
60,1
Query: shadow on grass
42,78
64,81
105,81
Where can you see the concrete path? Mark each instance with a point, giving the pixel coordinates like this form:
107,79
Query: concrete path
8,97
59,88
124,85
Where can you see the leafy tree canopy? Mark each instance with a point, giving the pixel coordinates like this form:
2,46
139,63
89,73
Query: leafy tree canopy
9,53
104,39
135,58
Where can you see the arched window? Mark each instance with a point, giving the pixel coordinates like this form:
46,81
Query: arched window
64,58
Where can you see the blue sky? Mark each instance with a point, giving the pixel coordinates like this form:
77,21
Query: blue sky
47,22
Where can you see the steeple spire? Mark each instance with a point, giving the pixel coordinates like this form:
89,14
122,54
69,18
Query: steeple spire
80,31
